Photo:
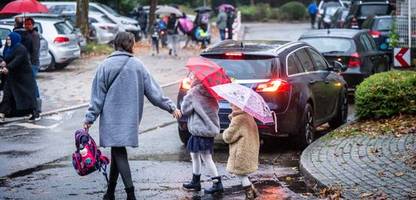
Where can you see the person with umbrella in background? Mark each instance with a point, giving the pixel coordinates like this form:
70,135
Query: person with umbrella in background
142,19
201,107
19,91
173,34
222,23
230,21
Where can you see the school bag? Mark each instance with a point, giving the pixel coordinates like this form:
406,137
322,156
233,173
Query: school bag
87,158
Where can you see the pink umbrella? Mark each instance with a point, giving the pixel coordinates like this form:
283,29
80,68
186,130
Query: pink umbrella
246,99
226,6
24,6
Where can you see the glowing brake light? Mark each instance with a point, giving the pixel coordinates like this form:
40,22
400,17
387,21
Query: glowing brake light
61,39
354,61
186,84
234,55
375,34
274,86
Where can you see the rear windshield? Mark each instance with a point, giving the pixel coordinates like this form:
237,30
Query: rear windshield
63,28
384,24
59,9
4,33
247,69
331,45
370,10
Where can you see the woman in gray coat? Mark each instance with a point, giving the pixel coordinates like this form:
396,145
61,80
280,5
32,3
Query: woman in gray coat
117,96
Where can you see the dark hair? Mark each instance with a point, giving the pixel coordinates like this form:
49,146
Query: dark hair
30,19
18,22
124,41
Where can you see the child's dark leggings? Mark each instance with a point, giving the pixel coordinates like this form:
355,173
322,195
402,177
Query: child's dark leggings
120,165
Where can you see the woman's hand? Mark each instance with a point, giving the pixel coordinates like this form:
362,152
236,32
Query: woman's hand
87,126
177,114
4,70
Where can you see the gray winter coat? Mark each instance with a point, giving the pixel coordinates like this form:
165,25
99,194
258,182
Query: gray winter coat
202,112
120,105
222,20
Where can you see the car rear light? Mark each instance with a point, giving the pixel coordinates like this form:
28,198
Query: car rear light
61,40
375,34
273,86
186,84
354,61
234,55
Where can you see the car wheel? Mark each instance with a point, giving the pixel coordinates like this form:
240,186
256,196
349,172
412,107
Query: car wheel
184,135
60,66
342,111
307,130
52,65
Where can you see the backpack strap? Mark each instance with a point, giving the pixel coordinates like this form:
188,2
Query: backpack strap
121,69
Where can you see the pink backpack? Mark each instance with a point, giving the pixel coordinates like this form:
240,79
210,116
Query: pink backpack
88,158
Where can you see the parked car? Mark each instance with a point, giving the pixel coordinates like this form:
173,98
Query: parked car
322,11
44,56
105,29
355,49
338,19
124,23
295,80
329,10
360,10
63,43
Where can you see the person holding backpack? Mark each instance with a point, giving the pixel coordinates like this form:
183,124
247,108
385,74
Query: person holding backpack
117,97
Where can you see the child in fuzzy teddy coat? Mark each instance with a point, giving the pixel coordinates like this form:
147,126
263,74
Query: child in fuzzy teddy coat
243,138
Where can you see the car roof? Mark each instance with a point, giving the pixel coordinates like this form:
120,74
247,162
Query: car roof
39,15
251,47
6,26
344,33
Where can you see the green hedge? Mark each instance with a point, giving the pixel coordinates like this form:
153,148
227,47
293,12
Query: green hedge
293,11
386,94
263,12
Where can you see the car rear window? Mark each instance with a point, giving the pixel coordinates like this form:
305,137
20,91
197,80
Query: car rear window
370,10
4,33
247,69
331,45
63,28
59,9
384,24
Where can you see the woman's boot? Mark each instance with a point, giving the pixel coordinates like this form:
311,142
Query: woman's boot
216,186
109,195
130,193
195,184
251,192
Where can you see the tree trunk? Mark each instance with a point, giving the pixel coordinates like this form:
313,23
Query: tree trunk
152,16
82,16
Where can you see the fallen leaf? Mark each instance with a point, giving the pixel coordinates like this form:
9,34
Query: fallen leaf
289,178
381,173
398,174
366,194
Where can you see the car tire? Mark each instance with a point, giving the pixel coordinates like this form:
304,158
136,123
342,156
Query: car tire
306,133
342,111
60,66
52,65
184,135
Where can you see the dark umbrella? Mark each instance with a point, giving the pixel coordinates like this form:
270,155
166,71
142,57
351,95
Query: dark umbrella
203,9
24,6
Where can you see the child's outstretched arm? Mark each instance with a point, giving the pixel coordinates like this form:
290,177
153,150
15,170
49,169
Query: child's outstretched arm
232,133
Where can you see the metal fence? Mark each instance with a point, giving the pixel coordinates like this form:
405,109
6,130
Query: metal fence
406,23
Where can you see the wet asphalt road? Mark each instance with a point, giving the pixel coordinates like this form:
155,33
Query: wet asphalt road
36,162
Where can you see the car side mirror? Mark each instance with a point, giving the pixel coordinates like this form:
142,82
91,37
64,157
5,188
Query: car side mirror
338,67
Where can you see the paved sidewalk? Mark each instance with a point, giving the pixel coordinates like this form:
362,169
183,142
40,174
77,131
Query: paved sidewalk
365,167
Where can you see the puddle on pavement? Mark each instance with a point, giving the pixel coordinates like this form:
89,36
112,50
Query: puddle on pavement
296,183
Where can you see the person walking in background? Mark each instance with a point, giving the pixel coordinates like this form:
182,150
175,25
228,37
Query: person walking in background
244,145
33,38
222,23
117,97
155,38
19,90
313,10
230,22
173,34
201,108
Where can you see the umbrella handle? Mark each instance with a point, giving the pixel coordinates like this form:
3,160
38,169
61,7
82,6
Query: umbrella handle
275,121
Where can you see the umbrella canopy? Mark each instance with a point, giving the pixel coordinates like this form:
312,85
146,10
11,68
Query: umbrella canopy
203,9
225,6
169,10
208,72
24,6
246,99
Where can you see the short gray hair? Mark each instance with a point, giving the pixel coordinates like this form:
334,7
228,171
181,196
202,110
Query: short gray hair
124,41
